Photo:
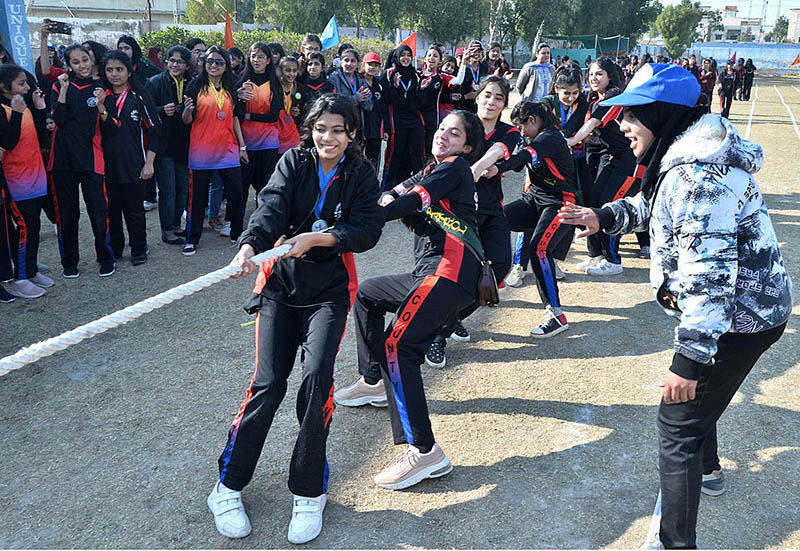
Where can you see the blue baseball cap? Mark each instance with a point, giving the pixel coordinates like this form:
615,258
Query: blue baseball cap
659,82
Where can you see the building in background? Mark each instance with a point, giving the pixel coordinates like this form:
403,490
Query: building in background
794,25
161,12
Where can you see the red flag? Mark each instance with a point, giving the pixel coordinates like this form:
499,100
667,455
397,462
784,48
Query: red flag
411,42
796,61
734,57
228,31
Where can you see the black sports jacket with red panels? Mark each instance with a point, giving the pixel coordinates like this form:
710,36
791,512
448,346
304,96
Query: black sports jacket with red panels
77,143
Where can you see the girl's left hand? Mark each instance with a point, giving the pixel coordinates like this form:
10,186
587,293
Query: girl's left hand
302,243
243,156
147,172
38,99
100,97
363,94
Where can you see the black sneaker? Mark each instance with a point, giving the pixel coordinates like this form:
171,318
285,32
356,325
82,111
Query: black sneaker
5,296
106,269
139,259
713,483
552,325
460,333
435,355
71,273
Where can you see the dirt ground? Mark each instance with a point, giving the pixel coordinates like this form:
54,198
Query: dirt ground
113,443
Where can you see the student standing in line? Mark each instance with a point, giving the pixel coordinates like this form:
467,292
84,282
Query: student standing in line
495,62
451,95
76,160
534,79
476,71
749,75
616,172
405,151
500,139
22,133
311,45
322,200
294,98
433,84
707,79
215,143
373,120
443,282
198,48
550,172
717,267
263,97
171,168
346,80
238,63
727,84
316,83
130,142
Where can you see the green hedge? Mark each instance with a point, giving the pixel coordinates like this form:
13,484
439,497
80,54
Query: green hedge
172,36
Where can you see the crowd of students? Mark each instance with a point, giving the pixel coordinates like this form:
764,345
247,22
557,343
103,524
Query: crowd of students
212,123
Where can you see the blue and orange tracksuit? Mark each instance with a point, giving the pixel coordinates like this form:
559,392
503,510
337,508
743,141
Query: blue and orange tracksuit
26,181
552,183
443,283
301,303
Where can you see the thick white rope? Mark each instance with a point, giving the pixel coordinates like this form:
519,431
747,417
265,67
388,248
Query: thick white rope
46,348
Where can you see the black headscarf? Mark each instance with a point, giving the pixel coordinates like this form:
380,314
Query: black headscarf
405,72
130,41
666,121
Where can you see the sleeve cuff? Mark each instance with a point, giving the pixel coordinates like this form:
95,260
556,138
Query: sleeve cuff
686,368
606,217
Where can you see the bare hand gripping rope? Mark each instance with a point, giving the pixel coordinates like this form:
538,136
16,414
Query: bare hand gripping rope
46,348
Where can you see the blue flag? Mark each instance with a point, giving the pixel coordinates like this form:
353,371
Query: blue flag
330,36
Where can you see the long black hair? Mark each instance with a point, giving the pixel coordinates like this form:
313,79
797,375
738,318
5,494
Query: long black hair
200,82
130,41
8,58
8,74
335,104
122,57
98,50
612,70
539,110
270,71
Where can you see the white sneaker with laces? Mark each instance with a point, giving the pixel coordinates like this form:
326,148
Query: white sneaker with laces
515,276
590,262
225,230
306,523
605,268
228,510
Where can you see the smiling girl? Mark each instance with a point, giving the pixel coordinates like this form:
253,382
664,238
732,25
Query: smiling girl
322,200
348,81
215,143
76,160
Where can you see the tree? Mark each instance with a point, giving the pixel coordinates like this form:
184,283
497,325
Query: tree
780,30
746,35
209,12
677,26
714,18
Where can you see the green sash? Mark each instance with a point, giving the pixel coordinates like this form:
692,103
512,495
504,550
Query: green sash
456,227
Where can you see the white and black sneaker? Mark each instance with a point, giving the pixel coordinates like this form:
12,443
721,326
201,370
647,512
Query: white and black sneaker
552,325
435,355
460,333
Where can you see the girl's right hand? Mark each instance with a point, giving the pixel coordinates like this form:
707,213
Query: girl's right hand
169,109
100,96
385,199
63,78
245,91
243,262
18,104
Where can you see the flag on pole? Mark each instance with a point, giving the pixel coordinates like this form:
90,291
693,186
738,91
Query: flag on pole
796,61
411,42
734,57
228,31
330,36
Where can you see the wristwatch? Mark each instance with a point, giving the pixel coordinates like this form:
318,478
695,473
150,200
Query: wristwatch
242,148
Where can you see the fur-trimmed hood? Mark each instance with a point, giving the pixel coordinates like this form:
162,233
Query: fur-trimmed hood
713,139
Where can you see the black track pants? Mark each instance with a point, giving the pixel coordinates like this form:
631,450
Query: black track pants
405,155
199,181
24,235
257,172
614,180
280,331
126,200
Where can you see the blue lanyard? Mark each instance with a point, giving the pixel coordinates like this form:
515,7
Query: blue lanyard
476,76
325,181
569,113
352,84
406,86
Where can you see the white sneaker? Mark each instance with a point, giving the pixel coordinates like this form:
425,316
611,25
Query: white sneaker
605,268
228,510
361,393
559,273
42,280
306,523
515,276
24,288
225,230
590,262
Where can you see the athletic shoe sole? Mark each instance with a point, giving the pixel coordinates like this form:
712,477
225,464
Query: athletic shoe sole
363,401
458,338
551,333
107,274
237,536
434,471
433,364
